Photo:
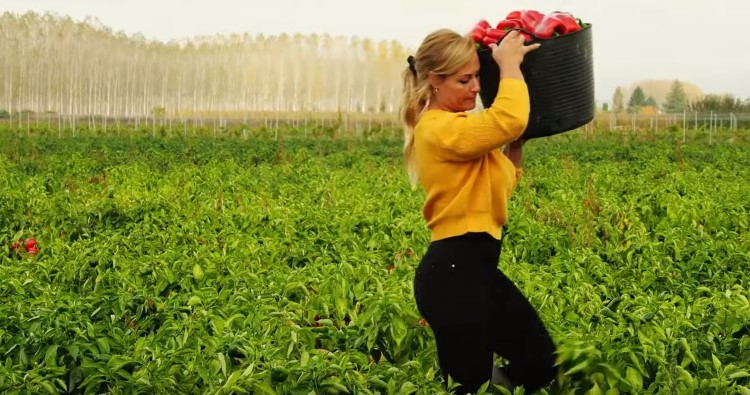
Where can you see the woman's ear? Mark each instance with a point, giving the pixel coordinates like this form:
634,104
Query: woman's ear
435,80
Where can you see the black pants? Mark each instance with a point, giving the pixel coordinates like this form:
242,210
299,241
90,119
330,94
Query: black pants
474,310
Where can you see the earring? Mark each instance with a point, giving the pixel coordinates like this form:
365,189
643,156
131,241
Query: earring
435,90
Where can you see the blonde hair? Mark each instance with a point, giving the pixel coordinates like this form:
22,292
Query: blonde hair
443,52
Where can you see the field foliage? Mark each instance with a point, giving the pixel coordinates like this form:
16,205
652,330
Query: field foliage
200,265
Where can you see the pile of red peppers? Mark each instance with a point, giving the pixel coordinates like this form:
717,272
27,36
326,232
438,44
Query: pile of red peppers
530,22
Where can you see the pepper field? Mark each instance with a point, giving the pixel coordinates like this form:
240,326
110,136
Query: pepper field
270,266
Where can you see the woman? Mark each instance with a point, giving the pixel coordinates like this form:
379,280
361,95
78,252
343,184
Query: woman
473,309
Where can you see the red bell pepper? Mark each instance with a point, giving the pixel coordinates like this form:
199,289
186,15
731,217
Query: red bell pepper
513,15
477,34
556,23
570,23
507,24
531,18
528,18
479,31
492,37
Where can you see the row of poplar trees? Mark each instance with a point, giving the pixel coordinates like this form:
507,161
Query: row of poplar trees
55,64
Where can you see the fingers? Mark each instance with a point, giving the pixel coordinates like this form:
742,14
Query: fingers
516,40
515,37
513,34
529,48
520,40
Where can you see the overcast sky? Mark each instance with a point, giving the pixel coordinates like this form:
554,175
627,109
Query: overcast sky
699,41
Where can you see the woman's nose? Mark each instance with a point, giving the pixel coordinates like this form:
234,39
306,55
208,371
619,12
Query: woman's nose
475,86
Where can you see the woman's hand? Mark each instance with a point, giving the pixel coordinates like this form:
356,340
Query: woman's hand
514,152
511,50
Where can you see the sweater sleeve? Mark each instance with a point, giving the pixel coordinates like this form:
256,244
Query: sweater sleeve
469,136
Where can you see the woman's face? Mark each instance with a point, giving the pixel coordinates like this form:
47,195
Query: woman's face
458,92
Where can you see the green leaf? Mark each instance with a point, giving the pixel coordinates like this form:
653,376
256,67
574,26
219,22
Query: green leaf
634,378
335,385
61,384
340,305
611,371
232,380
579,367
23,359
378,383
124,375
264,388
594,390
194,301
117,362
716,362
50,357
73,351
325,322
198,273
398,330
684,374
231,319
689,357
223,363
47,386
103,345
739,375
408,388
636,362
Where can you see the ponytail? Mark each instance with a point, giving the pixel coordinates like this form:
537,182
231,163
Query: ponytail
443,52
415,100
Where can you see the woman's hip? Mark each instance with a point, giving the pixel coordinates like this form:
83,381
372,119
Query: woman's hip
453,281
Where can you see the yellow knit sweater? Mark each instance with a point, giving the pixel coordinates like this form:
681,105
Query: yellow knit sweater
466,178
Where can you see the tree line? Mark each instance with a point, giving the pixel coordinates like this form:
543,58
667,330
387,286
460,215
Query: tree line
54,64
678,102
